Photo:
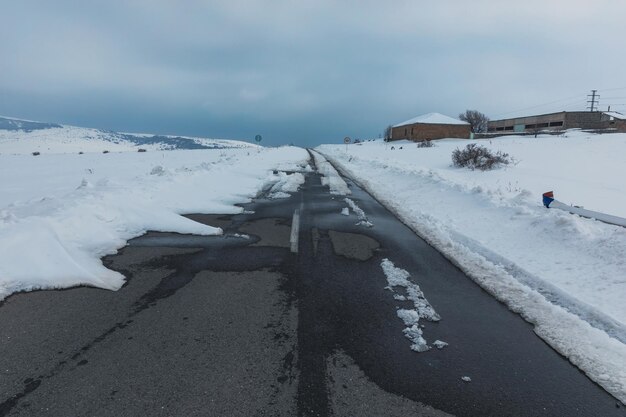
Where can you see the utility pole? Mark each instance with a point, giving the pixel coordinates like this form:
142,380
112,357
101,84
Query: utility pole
594,100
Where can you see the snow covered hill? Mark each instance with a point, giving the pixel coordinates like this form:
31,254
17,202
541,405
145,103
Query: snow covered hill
25,137
563,273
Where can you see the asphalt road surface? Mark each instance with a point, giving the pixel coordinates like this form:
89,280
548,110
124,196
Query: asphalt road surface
241,325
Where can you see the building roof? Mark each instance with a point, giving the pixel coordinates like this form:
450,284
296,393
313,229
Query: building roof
432,118
615,114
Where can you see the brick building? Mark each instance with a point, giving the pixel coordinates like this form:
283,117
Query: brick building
609,121
429,127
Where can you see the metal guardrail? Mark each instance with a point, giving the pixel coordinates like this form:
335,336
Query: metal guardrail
550,202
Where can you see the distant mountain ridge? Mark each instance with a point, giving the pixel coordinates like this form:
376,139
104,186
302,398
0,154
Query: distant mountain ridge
26,136
25,125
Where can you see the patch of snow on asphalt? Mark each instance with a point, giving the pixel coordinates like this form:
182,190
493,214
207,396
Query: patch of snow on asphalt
284,184
345,211
397,277
359,213
330,176
439,344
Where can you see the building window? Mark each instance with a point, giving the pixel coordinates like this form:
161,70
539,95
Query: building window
530,126
553,124
508,128
411,131
405,131
542,125
499,129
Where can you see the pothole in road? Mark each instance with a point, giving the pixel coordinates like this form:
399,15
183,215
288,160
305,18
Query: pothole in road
353,245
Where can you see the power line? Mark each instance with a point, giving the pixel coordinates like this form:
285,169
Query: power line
578,96
613,89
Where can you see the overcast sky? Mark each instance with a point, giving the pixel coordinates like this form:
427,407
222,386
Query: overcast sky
303,71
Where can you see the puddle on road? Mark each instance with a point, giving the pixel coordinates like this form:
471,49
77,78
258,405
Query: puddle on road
353,245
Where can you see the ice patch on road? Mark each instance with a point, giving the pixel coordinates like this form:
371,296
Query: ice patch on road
397,277
330,176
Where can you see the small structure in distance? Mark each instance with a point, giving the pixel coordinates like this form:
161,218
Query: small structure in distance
431,126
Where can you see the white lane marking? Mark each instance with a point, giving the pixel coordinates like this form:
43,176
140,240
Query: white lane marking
295,231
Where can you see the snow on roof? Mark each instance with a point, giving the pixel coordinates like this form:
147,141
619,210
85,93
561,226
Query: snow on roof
615,114
433,118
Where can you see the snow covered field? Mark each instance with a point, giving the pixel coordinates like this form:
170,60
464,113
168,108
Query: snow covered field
565,274
60,213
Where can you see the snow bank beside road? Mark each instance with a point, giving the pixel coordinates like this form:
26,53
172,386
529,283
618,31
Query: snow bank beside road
563,273
60,213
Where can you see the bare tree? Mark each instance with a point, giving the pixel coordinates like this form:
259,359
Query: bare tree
478,121
388,131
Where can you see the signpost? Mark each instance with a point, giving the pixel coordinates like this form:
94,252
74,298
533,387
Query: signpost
346,140
258,138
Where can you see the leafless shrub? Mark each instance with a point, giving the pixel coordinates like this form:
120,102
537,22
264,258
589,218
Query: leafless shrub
388,131
474,156
425,144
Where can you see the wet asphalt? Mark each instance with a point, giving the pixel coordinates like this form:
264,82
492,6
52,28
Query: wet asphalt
238,325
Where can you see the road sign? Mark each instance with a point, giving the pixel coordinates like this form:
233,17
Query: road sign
346,140
258,138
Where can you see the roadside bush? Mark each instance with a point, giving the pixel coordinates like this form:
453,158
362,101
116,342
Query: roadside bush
474,156
425,144
36,153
